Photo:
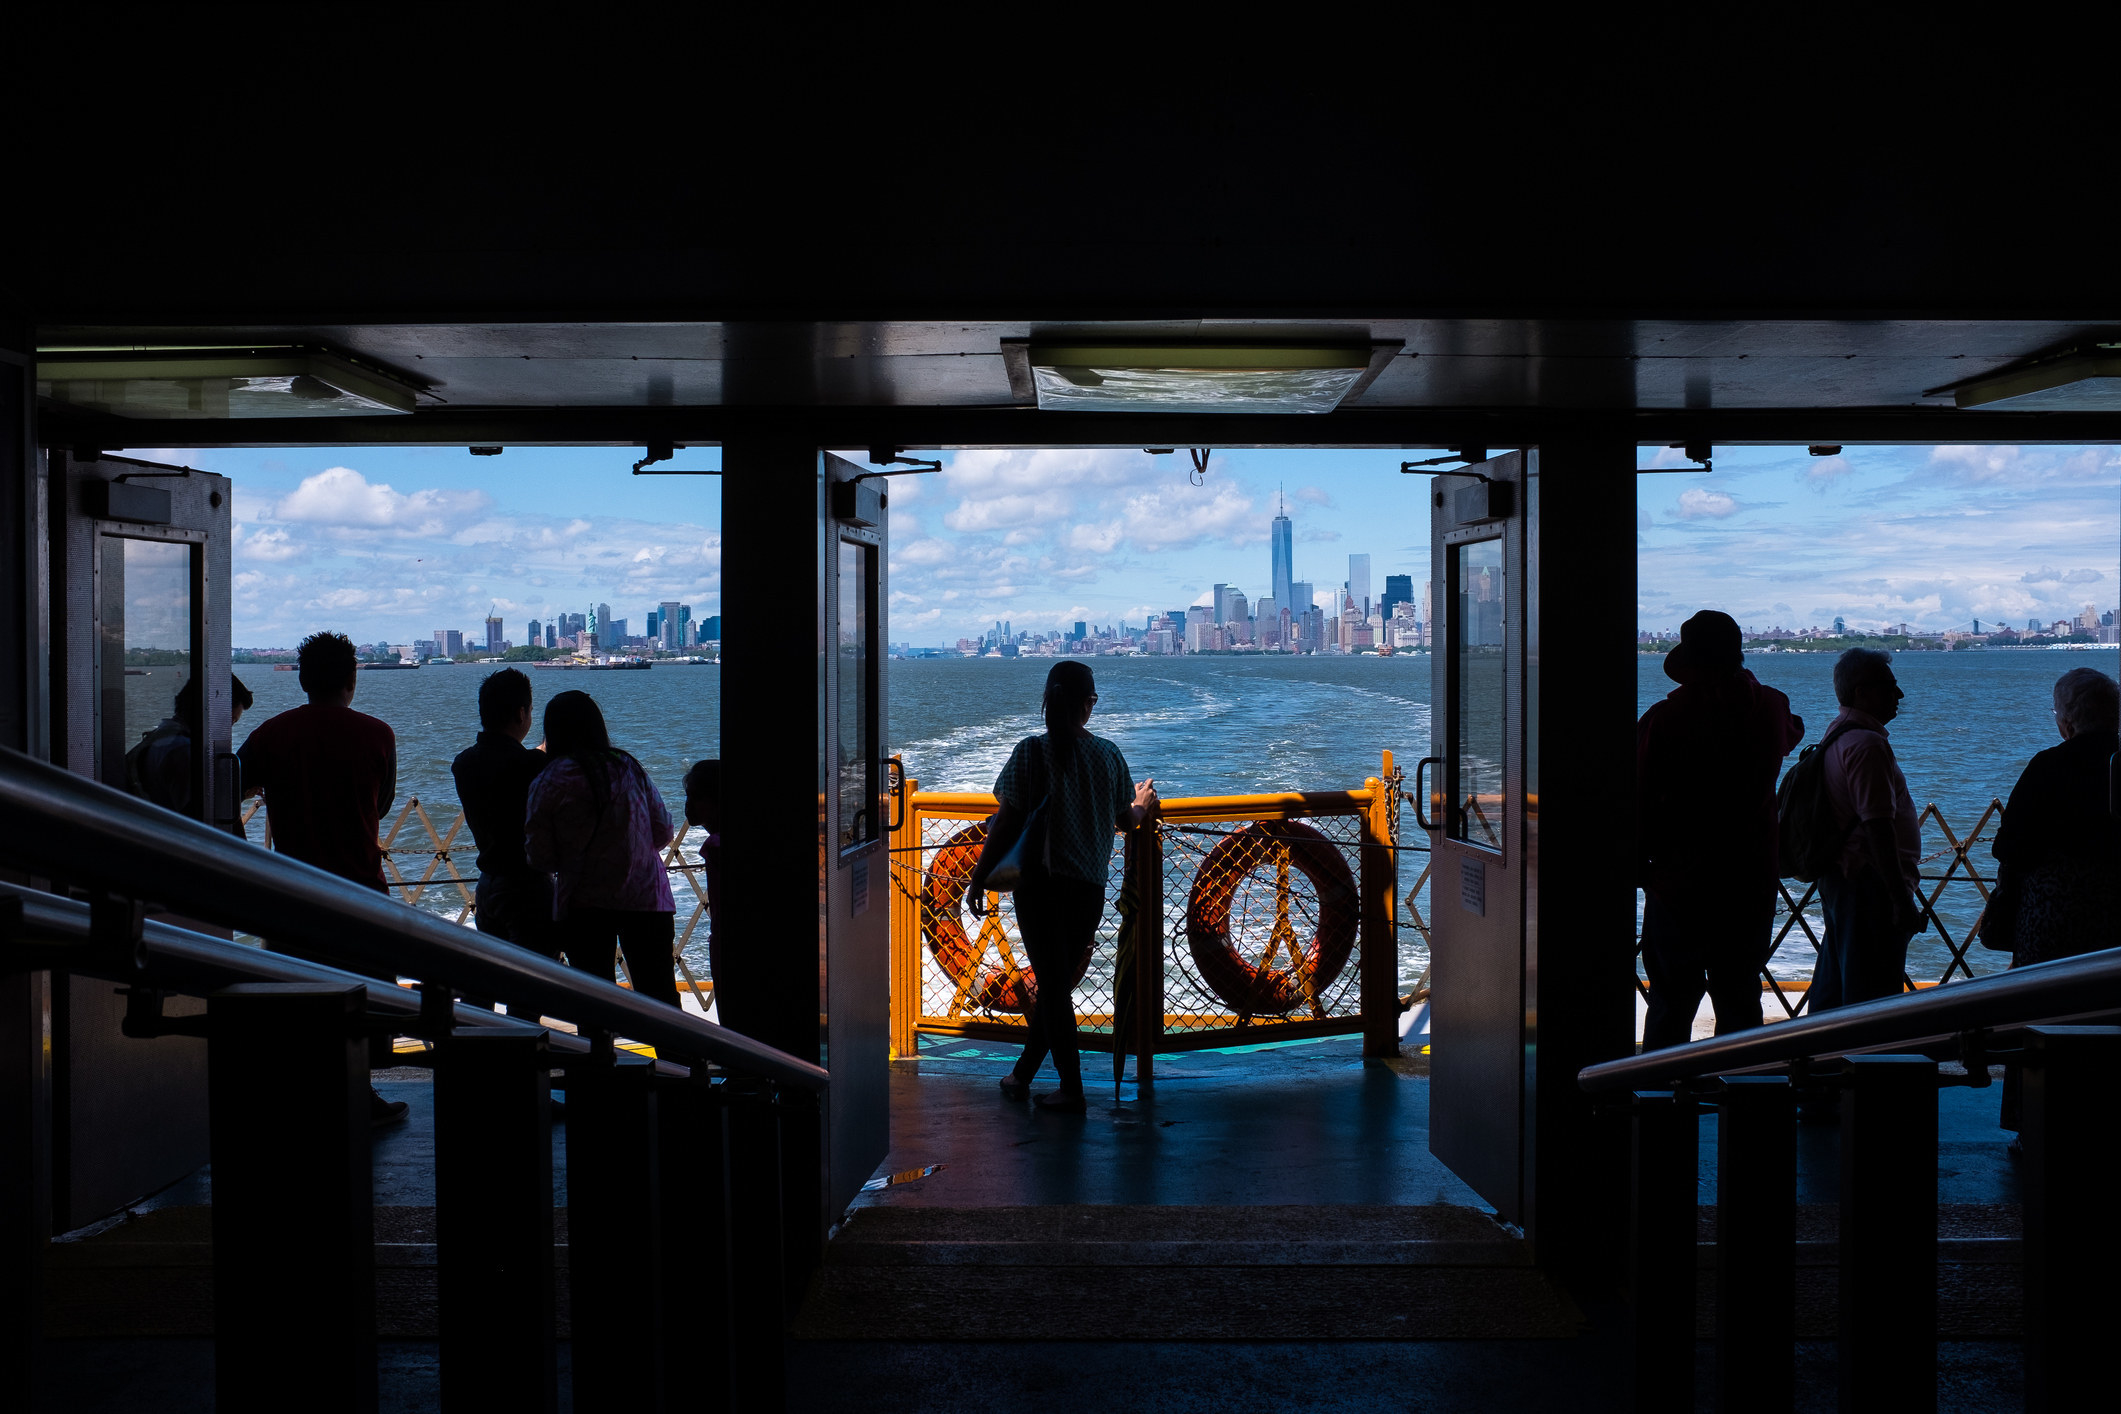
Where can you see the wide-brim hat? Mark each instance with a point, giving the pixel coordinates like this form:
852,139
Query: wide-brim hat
1708,642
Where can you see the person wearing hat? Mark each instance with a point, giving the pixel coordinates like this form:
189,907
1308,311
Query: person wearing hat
1706,761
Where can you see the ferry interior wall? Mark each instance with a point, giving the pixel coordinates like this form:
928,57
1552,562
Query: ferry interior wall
1368,1122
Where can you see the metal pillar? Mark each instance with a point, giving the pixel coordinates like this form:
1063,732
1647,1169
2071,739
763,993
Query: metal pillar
758,1278
1378,973
1888,1233
2071,1117
1662,1241
614,1236
493,1215
1756,1245
293,1221
696,1296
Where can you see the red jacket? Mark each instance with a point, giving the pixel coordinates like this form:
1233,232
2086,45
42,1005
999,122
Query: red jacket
1706,761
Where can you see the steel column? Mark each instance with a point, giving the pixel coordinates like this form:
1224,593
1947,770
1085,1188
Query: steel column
2071,1117
293,1220
757,1255
493,1216
696,1220
615,1240
1662,1240
1888,1233
1756,1245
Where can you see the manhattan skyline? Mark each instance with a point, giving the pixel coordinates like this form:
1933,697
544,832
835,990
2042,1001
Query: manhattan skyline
392,542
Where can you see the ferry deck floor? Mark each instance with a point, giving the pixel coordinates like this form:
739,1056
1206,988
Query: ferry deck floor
1235,1239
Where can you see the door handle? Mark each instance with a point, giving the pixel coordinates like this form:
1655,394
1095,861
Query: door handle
1421,796
896,768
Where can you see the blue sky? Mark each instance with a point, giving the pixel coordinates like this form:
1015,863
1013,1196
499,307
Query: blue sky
394,543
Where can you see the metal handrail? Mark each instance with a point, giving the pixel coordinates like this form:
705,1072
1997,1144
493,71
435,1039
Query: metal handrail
181,960
2069,988
65,825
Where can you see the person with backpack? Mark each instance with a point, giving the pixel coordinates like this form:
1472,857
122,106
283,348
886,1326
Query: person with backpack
595,820
1706,758
1872,834
1064,793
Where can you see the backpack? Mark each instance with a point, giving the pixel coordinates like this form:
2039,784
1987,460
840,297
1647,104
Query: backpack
1808,841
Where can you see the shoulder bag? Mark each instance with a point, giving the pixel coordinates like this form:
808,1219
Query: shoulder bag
1031,853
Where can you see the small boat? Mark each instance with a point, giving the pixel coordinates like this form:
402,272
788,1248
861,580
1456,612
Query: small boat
137,673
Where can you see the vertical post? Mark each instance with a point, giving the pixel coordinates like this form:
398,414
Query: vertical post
1756,1245
1579,788
1149,955
493,1215
696,1295
905,875
1379,974
2070,1108
757,1271
614,1235
25,1175
1661,1238
293,1214
1888,1233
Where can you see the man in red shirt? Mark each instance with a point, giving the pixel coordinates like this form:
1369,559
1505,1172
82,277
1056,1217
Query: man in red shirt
1706,759
328,772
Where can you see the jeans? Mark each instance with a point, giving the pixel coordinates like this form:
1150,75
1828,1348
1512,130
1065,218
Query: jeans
1864,956
1692,947
1058,920
592,937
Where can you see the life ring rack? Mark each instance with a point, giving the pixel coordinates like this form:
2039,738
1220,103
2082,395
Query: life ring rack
1255,988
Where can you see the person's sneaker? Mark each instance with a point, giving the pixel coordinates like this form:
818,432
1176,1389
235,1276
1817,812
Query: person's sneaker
383,1113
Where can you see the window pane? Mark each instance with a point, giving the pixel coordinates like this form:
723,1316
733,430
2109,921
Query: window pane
157,626
1477,809
857,717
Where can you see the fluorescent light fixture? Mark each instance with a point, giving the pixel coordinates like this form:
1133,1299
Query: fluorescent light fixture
2083,379
178,384
1182,378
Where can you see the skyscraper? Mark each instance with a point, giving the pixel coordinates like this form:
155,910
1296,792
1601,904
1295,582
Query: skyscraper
669,629
1283,540
1399,589
493,632
1216,600
1359,582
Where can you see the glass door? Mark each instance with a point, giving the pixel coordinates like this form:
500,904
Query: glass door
1479,1053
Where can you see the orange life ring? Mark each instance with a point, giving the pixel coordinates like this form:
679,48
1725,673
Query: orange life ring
1249,989
1000,986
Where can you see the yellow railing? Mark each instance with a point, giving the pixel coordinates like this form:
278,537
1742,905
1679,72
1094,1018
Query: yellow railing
1230,920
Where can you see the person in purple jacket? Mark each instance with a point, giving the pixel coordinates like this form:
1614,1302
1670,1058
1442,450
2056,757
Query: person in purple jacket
595,821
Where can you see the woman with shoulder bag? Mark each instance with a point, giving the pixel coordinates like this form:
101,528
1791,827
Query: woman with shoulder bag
595,819
1073,791
2058,846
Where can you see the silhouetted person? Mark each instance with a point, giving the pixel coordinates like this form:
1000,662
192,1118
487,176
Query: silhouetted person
1706,759
159,767
328,774
2058,849
1088,794
595,819
1870,896
493,777
703,807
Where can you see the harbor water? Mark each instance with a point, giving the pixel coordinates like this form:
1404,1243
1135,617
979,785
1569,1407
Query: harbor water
1210,725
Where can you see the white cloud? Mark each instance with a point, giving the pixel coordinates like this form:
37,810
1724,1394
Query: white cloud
340,496
2048,575
1697,502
